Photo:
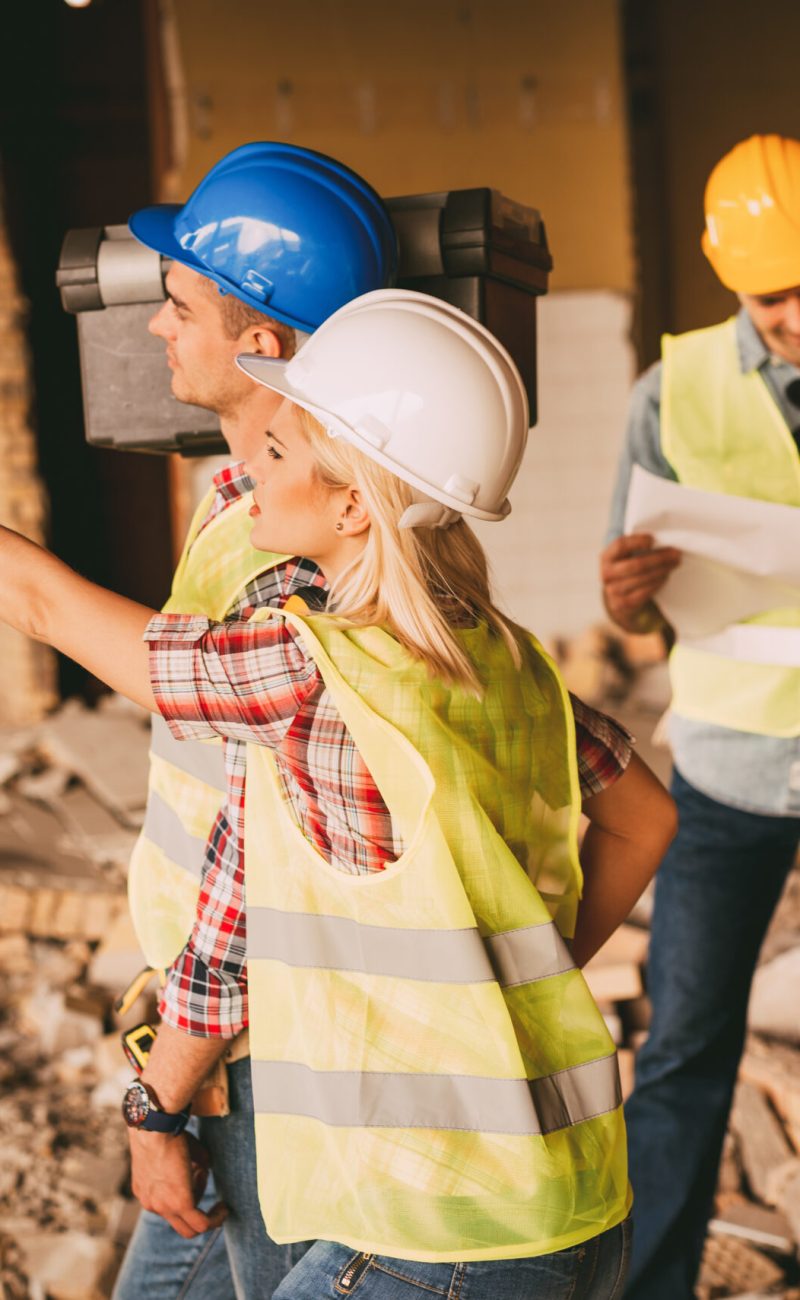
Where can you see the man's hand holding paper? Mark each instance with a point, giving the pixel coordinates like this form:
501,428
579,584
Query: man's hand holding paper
741,557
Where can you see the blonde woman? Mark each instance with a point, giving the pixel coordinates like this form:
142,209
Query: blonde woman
436,1095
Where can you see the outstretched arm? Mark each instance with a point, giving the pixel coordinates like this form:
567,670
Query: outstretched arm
631,824
42,597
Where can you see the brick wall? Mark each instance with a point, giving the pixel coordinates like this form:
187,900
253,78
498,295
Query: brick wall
27,680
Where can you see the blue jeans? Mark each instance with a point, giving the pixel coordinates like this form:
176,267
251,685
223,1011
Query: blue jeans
595,1270
715,893
238,1261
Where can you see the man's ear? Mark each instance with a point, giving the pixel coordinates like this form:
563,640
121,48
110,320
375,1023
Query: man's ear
263,340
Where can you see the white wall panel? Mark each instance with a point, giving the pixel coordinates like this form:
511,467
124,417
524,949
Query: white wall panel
545,555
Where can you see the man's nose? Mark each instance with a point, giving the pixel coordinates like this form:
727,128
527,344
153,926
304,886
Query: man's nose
161,323
792,313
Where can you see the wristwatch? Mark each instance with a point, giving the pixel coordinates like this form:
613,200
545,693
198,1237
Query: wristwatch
141,1109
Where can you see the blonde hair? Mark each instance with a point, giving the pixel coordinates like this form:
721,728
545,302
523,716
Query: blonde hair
416,582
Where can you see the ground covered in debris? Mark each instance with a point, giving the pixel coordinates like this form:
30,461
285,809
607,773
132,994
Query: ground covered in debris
71,796
71,801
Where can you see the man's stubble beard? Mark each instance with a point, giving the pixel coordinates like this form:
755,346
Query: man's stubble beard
221,403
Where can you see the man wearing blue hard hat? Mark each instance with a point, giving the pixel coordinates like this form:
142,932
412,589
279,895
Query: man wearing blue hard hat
274,239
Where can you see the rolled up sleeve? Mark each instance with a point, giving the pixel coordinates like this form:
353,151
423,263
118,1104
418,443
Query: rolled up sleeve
239,680
604,748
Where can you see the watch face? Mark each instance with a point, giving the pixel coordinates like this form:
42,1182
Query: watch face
136,1105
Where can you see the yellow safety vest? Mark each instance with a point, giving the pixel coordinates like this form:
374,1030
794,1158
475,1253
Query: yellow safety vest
432,1079
722,432
187,778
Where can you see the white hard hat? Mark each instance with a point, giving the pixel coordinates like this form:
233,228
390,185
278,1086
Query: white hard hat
420,387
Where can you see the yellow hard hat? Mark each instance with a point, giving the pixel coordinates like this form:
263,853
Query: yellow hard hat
752,207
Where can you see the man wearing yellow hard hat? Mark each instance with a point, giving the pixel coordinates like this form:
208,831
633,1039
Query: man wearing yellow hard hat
719,412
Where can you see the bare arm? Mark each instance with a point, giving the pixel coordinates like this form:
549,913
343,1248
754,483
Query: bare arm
161,1165
45,599
631,824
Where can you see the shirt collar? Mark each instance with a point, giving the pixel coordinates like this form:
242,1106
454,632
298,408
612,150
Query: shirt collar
753,351
233,482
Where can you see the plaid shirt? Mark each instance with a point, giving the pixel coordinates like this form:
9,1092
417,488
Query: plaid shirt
254,683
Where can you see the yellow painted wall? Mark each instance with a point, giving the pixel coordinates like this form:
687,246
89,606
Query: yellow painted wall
521,95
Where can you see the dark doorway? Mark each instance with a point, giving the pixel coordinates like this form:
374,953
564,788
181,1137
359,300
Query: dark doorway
74,150
700,77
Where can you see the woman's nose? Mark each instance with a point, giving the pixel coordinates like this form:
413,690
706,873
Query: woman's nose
256,465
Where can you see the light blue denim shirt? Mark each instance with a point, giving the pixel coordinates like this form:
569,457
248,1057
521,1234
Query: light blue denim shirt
759,774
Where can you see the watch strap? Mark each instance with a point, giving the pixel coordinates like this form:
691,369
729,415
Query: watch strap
157,1120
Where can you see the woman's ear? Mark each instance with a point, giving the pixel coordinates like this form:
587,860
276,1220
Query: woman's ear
354,517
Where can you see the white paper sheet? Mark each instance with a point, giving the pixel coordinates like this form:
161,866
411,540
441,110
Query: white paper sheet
740,556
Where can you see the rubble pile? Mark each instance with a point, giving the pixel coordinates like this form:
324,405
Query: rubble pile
753,1245
71,799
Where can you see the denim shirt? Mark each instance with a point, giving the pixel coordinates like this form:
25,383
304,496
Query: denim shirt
759,774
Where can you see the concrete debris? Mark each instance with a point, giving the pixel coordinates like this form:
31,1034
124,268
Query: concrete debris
729,1265
606,667
107,750
614,983
68,809
729,1179
118,960
16,954
770,1012
56,904
45,1015
70,1265
46,787
642,913
615,972
613,1024
627,946
766,1154
9,767
94,829
775,1069
626,1070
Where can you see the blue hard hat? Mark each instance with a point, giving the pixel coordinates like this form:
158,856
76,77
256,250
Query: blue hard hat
289,231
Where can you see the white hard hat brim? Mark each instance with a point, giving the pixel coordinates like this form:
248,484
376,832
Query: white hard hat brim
271,373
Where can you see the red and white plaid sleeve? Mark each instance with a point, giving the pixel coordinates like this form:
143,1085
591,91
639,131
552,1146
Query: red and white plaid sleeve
245,682
604,748
240,680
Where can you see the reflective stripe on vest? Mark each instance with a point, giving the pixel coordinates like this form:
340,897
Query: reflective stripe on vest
164,828
187,778
722,432
525,1107
753,644
201,759
432,1079
447,956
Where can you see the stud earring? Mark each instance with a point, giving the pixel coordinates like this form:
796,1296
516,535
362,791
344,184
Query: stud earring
339,526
